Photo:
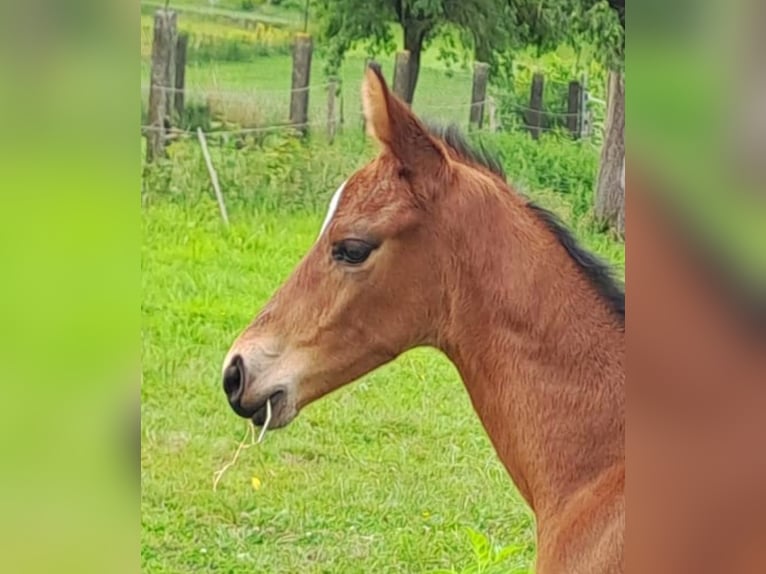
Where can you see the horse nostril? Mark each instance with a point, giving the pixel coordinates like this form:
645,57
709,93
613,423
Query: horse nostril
234,379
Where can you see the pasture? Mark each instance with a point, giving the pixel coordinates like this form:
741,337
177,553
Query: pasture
393,473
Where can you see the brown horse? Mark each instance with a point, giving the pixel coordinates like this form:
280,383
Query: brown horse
428,245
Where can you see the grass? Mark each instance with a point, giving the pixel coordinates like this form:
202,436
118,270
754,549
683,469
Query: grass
238,64
259,75
231,10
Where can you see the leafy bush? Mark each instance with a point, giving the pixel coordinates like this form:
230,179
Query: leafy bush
554,162
512,86
277,171
266,170
196,115
210,41
281,171
233,41
489,558
239,46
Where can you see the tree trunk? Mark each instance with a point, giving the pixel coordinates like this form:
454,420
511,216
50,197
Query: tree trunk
482,50
610,189
414,34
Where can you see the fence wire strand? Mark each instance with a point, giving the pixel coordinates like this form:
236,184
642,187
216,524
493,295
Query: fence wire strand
281,98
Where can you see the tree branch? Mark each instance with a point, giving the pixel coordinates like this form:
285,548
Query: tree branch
399,10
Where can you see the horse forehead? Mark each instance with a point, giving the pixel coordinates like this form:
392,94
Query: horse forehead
370,189
354,198
366,192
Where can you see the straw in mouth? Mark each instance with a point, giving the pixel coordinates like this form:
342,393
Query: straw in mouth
244,444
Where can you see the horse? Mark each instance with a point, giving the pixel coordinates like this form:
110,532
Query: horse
428,245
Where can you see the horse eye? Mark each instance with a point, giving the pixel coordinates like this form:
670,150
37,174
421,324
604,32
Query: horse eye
352,251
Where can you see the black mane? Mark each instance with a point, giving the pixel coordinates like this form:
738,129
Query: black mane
455,139
598,273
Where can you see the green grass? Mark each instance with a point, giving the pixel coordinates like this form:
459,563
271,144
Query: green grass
233,10
264,81
241,65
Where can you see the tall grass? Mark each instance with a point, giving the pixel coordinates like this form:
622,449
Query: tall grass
214,41
275,171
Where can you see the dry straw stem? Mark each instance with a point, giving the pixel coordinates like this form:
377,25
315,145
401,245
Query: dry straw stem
217,475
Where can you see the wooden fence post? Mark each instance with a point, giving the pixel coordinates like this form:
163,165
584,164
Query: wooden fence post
478,94
534,114
574,109
492,113
332,90
170,72
402,75
299,95
180,81
585,114
163,44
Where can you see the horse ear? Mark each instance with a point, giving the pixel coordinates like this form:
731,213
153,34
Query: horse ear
374,104
391,122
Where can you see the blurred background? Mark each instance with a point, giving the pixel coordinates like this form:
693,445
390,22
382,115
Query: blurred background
107,207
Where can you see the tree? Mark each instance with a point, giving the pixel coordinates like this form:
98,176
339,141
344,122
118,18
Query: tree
603,25
609,201
492,28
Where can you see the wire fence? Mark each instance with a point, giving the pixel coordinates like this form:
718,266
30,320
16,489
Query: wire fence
237,98
232,94
258,110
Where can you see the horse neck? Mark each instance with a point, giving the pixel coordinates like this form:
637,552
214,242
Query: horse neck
539,351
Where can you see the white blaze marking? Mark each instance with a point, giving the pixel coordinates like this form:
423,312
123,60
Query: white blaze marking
333,208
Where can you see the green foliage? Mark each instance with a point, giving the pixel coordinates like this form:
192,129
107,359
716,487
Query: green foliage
232,50
511,88
554,163
491,31
196,115
279,171
266,170
347,23
598,25
224,40
492,559
211,42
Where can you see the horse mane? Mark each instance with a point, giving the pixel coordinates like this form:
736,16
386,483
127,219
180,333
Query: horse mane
473,153
598,273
